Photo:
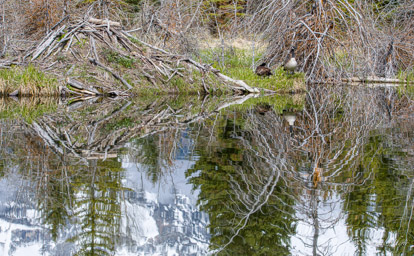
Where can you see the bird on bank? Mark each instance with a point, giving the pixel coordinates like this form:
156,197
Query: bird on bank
291,63
262,70
263,108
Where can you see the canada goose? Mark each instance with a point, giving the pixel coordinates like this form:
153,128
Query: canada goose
290,117
262,70
291,64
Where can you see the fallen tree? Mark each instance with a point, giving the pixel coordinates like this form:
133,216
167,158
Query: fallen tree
87,42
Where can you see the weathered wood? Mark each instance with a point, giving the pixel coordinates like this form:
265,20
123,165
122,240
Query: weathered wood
375,79
241,84
108,69
144,43
15,93
7,64
81,87
104,22
42,47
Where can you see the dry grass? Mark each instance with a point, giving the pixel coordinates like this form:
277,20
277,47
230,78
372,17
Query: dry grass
27,81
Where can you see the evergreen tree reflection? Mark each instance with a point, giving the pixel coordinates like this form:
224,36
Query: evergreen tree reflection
242,190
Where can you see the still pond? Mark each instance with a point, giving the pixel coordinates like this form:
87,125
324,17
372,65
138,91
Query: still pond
328,172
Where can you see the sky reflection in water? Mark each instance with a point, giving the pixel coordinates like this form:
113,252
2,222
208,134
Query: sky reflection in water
192,176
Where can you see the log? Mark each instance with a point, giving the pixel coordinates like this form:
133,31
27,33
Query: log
123,81
144,43
42,47
104,22
239,83
81,87
15,93
375,79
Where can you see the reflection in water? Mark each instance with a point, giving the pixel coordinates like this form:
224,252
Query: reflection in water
190,176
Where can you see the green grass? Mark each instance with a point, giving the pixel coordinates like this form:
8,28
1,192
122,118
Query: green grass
27,108
114,57
406,75
28,81
237,65
408,88
277,102
119,124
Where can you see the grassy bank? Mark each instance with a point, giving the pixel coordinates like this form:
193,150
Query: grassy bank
233,62
408,88
237,63
27,81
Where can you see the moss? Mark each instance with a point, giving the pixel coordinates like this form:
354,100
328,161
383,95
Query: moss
114,57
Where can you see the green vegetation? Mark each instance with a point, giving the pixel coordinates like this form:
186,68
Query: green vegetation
408,89
238,65
123,123
28,81
223,166
407,76
27,108
277,103
115,57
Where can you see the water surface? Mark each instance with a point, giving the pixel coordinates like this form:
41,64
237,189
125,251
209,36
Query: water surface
329,172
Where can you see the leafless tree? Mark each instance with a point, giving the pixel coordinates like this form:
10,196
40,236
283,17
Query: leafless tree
336,38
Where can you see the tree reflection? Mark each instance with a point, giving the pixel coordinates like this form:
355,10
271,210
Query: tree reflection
97,207
326,164
337,130
70,193
272,182
241,178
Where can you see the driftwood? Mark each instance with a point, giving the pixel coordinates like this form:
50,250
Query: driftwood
46,43
117,76
241,85
374,79
14,93
104,22
81,88
8,64
111,35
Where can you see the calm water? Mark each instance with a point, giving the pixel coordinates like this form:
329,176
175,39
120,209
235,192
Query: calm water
329,172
